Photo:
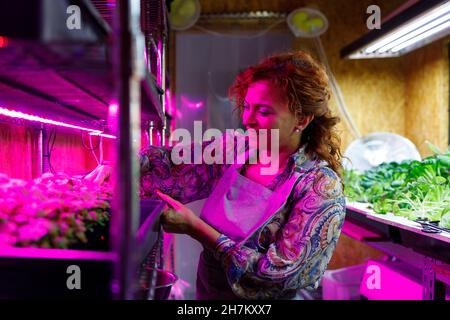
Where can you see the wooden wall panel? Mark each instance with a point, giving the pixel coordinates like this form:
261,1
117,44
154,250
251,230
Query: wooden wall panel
373,89
427,96
351,252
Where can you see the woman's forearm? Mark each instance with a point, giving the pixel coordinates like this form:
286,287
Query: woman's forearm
204,233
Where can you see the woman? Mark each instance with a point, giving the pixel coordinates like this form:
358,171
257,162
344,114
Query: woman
264,236
302,205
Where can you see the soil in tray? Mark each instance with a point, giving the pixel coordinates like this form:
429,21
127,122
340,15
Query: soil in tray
97,239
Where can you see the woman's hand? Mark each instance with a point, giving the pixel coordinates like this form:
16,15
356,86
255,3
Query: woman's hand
177,218
100,174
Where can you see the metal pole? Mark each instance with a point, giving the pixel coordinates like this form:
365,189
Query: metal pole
163,86
164,37
125,218
44,149
151,128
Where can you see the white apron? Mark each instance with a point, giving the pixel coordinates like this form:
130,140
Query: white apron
237,208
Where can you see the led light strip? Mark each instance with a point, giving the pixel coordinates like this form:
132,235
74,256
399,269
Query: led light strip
104,135
21,115
407,28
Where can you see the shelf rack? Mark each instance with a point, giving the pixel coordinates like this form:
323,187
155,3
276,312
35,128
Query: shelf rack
403,239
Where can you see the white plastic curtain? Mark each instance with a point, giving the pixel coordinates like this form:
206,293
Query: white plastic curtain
206,65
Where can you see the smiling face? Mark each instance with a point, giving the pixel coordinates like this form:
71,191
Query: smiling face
265,107
281,87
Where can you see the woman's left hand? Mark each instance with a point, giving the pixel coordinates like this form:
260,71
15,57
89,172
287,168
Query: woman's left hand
176,218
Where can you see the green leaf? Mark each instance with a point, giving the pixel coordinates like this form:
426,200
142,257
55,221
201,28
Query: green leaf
433,147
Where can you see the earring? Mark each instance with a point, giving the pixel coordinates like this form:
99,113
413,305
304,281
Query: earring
297,130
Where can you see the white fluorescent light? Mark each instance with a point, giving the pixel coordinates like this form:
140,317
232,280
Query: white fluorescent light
415,33
441,10
422,36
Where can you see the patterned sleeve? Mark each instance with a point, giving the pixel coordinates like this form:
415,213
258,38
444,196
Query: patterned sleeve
301,250
185,182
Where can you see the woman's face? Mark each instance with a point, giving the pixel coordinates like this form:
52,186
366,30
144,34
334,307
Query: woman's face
265,107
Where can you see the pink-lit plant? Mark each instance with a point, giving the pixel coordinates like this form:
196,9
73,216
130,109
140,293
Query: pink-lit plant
53,211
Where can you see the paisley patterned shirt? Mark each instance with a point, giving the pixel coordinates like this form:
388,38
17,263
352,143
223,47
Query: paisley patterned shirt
291,250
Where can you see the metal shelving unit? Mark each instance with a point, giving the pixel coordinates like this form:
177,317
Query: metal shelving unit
73,76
